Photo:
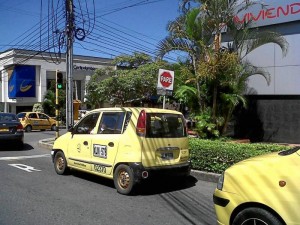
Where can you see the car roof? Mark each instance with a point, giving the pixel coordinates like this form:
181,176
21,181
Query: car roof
136,109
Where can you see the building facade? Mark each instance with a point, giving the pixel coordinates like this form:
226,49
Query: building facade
26,75
273,114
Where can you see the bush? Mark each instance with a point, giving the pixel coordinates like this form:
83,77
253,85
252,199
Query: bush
216,156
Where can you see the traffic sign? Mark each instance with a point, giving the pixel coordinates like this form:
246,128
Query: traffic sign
165,79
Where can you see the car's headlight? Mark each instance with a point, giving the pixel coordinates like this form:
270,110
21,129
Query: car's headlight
220,182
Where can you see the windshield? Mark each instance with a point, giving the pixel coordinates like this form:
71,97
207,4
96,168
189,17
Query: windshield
160,125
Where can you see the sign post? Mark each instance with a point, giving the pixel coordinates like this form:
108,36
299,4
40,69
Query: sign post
165,83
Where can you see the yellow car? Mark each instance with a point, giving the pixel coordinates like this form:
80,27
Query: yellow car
126,145
36,121
263,190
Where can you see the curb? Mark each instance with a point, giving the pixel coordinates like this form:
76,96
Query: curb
199,175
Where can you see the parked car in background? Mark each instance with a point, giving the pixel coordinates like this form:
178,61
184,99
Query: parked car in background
11,130
126,145
36,121
263,190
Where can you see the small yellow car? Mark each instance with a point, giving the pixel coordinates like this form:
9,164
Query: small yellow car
36,121
263,190
126,145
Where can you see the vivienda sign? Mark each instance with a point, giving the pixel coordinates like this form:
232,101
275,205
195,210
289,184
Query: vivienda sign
272,12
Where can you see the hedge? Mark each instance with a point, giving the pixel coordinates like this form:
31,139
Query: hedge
216,156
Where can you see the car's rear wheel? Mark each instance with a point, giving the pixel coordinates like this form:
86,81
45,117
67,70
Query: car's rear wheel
28,128
60,163
255,216
124,179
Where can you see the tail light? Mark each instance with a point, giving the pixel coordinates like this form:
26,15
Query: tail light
20,127
141,124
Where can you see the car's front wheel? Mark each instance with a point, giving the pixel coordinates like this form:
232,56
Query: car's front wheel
60,163
53,127
255,216
124,179
28,128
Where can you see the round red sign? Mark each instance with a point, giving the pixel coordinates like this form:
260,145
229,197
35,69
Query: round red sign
166,79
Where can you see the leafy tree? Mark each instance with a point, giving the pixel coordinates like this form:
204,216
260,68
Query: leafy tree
135,84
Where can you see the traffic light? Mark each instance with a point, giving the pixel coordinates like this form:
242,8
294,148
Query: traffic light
59,80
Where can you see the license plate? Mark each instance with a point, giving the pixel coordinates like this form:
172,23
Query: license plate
3,129
167,156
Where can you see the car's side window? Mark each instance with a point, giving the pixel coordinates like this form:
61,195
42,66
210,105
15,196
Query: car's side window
32,116
43,116
87,124
111,123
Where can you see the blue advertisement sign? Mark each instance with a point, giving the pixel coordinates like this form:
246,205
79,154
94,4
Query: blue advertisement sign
21,82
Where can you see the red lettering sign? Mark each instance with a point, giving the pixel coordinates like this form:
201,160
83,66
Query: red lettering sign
166,79
270,13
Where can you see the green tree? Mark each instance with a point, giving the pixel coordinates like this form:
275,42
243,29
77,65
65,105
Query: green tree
135,84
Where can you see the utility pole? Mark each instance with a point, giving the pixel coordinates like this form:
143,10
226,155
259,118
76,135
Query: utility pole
69,63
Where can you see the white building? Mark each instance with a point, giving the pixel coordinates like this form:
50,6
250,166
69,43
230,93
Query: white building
274,110
25,76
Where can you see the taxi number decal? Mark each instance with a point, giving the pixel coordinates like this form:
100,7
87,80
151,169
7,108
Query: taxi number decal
100,169
100,151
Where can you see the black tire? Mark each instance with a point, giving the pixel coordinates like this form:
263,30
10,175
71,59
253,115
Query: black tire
28,128
124,179
60,163
53,127
256,216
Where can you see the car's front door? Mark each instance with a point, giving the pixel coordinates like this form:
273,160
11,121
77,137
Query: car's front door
105,146
79,146
34,121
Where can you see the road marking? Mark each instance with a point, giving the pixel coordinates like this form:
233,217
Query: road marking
23,157
24,167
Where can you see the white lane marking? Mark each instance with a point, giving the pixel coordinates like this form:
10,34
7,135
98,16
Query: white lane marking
23,157
24,167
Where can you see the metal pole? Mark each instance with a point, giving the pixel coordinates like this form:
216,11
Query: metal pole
69,64
56,109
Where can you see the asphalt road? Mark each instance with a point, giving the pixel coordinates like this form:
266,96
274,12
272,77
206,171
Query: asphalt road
32,193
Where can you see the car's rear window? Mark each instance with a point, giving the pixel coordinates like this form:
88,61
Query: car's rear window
164,125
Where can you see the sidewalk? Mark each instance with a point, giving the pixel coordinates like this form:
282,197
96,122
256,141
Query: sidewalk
199,175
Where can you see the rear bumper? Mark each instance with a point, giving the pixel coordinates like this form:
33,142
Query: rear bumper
170,170
12,137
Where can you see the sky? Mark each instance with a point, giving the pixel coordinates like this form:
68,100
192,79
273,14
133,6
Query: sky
117,27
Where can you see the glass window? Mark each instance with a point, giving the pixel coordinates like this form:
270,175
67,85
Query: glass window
111,123
21,115
87,124
43,116
160,125
33,116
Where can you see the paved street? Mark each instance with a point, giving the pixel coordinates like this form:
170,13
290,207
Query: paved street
32,193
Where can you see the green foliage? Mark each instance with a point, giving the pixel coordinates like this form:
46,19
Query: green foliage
216,156
205,126
124,86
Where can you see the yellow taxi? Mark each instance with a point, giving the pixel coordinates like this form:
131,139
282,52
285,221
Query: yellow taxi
126,145
263,190
36,121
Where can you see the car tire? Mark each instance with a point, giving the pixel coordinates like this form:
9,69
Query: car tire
28,128
124,179
60,163
255,216
53,127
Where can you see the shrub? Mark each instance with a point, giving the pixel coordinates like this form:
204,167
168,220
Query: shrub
216,156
